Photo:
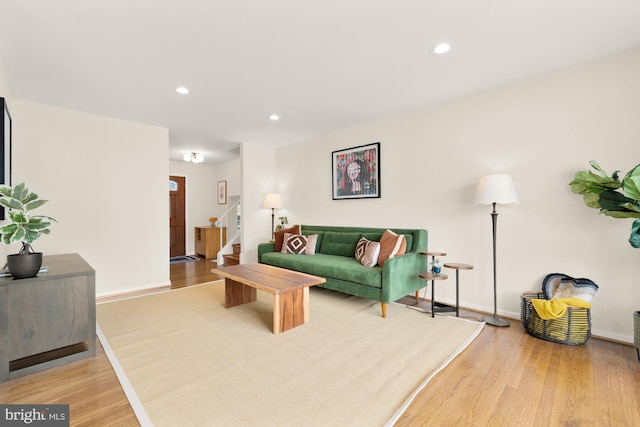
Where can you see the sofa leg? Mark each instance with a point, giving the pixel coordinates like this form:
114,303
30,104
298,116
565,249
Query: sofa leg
384,309
417,295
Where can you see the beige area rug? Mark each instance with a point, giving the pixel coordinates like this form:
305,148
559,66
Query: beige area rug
185,360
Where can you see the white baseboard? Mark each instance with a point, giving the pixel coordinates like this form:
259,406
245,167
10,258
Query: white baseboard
159,287
625,339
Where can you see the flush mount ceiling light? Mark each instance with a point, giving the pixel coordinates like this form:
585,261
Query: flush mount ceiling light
441,48
182,90
274,117
193,157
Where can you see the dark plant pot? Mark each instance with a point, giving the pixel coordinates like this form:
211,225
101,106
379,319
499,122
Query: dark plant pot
24,266
636,332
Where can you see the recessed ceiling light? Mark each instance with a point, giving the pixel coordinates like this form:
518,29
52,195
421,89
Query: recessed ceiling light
441,48
274,117
182,90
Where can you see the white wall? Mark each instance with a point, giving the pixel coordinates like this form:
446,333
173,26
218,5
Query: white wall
4,88
232,173
4,93
258,172
201,191
541,130
200,196
106,182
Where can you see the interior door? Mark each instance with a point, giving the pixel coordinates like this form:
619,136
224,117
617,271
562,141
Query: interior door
177,221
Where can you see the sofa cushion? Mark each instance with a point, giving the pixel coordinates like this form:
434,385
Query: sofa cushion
299,244
408,238
367,252
319,235
377,236
328,266
416,238
373,236
293,244
391,244
279,236
342,244
310,249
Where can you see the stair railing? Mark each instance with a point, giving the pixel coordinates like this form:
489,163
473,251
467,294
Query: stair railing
232,221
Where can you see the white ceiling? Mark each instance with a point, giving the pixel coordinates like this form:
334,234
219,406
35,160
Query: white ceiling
320,65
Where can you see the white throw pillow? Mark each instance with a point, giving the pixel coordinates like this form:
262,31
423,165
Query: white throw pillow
367,252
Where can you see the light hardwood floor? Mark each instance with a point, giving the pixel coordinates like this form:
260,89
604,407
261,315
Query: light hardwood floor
504,378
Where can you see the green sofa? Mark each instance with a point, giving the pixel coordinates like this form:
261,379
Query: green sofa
335,260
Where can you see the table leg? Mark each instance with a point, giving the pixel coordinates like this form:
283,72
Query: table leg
305,304
290,309
236,293
277,314
433,298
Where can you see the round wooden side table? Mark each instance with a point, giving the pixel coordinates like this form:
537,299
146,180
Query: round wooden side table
429,275
457,267
433,277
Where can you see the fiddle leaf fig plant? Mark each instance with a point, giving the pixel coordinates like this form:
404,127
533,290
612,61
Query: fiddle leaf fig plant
22,225
614,198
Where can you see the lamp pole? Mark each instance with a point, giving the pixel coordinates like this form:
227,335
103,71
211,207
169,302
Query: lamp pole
495,320
272,201
492,190
273,216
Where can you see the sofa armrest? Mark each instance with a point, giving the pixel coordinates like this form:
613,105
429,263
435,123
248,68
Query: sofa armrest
400,276
264,248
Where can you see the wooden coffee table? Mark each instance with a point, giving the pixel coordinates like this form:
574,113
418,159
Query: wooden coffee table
290,291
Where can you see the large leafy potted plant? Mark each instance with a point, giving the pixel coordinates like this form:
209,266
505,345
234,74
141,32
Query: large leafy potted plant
617,199
614,198
23,227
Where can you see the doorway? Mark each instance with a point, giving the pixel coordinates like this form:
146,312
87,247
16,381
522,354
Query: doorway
177,221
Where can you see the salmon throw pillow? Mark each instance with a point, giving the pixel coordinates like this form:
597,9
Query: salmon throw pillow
279,236
391,244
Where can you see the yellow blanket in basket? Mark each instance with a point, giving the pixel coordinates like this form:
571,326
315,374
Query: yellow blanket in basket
555,308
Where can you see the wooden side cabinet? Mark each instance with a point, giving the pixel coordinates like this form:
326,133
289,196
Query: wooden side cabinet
207,241
47,320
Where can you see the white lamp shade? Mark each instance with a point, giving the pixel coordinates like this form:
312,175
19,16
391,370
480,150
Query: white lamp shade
272,201
496,189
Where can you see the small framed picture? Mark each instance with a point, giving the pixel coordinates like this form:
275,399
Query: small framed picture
356,172
222,192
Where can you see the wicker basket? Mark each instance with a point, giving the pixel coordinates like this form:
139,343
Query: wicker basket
573,328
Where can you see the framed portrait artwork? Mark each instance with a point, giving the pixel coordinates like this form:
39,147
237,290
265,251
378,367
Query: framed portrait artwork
5,148
222,192
356,172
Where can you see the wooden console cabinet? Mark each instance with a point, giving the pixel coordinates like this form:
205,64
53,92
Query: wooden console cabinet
47,320
207,241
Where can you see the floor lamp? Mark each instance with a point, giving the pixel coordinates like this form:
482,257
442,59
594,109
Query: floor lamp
492,190
272,201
